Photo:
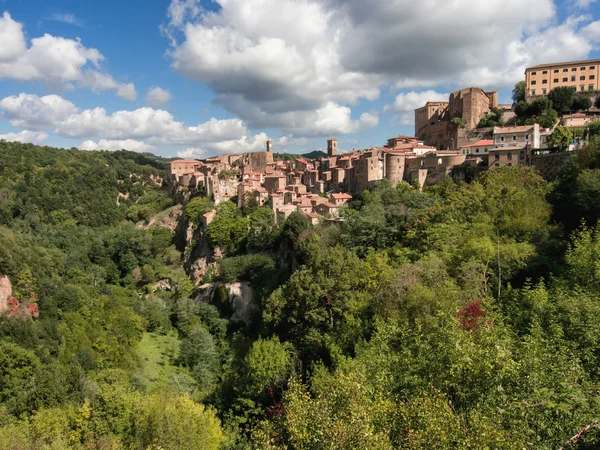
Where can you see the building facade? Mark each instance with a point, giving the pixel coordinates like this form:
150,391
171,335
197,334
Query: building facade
581,75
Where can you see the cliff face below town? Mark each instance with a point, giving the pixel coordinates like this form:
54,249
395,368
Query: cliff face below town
200,262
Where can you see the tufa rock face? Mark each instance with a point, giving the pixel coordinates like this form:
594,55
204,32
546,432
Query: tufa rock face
5,292
240,297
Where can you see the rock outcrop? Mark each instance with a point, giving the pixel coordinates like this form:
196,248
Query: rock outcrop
5,292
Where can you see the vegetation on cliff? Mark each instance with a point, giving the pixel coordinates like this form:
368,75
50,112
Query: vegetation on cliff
464,316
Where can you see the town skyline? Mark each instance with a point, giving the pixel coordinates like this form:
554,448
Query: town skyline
194,79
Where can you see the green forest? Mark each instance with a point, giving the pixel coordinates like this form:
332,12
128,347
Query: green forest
466,316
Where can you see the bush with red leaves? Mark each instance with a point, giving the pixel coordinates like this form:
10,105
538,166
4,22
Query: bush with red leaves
472,315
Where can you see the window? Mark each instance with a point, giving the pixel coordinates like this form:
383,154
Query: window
545,72
533,92
514,137
497,165
555,80
534,82
501,138
574,69
544,81
497,155
476,150
582,78
526,137
592,67
565,70
544,91
509,164
582,88
592,77
573,78
591,87
555,70
509,155
533,73
583,68
565,80
522,155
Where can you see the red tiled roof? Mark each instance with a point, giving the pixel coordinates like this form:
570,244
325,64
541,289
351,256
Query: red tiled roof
480,143
341,196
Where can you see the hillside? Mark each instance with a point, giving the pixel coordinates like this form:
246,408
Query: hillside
463,316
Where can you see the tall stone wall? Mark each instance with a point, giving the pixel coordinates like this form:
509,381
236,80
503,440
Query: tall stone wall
548,165
257,161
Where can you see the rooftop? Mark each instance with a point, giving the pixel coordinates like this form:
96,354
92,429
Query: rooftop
518,129
480,143
568,63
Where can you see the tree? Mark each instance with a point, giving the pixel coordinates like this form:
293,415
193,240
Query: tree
263,231
228,229
269,364
560,139
594,128
562,98
175,422
581,103
458,122
199,353
518,93
197,207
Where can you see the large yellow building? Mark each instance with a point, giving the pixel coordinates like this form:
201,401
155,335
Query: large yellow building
582,75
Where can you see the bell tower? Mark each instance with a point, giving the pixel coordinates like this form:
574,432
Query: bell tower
332,148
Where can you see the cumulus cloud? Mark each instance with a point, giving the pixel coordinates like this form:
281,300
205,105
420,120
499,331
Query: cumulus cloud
109,144
275,63
409,101
141,129
61,63
35,113
33,137
157,96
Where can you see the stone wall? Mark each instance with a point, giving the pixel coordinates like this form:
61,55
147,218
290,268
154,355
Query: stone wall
548,165
257,161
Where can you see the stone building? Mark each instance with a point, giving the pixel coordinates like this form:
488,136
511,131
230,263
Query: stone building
433,121
519,136
508,156
332,147
179,167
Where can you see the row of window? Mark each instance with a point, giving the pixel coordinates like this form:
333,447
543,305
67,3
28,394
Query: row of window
566,79
509,155
581,88
514,138
574,69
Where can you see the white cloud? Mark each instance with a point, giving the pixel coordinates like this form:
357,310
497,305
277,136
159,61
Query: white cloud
157,96
125,144
139,130
36,113
276,63
69,18
33,137
582,4
409,101
193,153
57,61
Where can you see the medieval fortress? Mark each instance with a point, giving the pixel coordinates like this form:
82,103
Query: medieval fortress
447,141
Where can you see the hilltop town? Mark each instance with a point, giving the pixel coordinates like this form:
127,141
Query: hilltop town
469,133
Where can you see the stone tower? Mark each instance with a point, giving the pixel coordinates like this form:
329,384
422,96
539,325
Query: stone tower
332,147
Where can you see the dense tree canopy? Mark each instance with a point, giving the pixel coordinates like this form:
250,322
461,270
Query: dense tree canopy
466,315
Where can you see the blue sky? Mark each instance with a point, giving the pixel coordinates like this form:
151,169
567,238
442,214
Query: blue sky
197,78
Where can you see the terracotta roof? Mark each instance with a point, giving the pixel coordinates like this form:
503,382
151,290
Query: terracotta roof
480,143
302,160
518,129
575,116
181,161
341,196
